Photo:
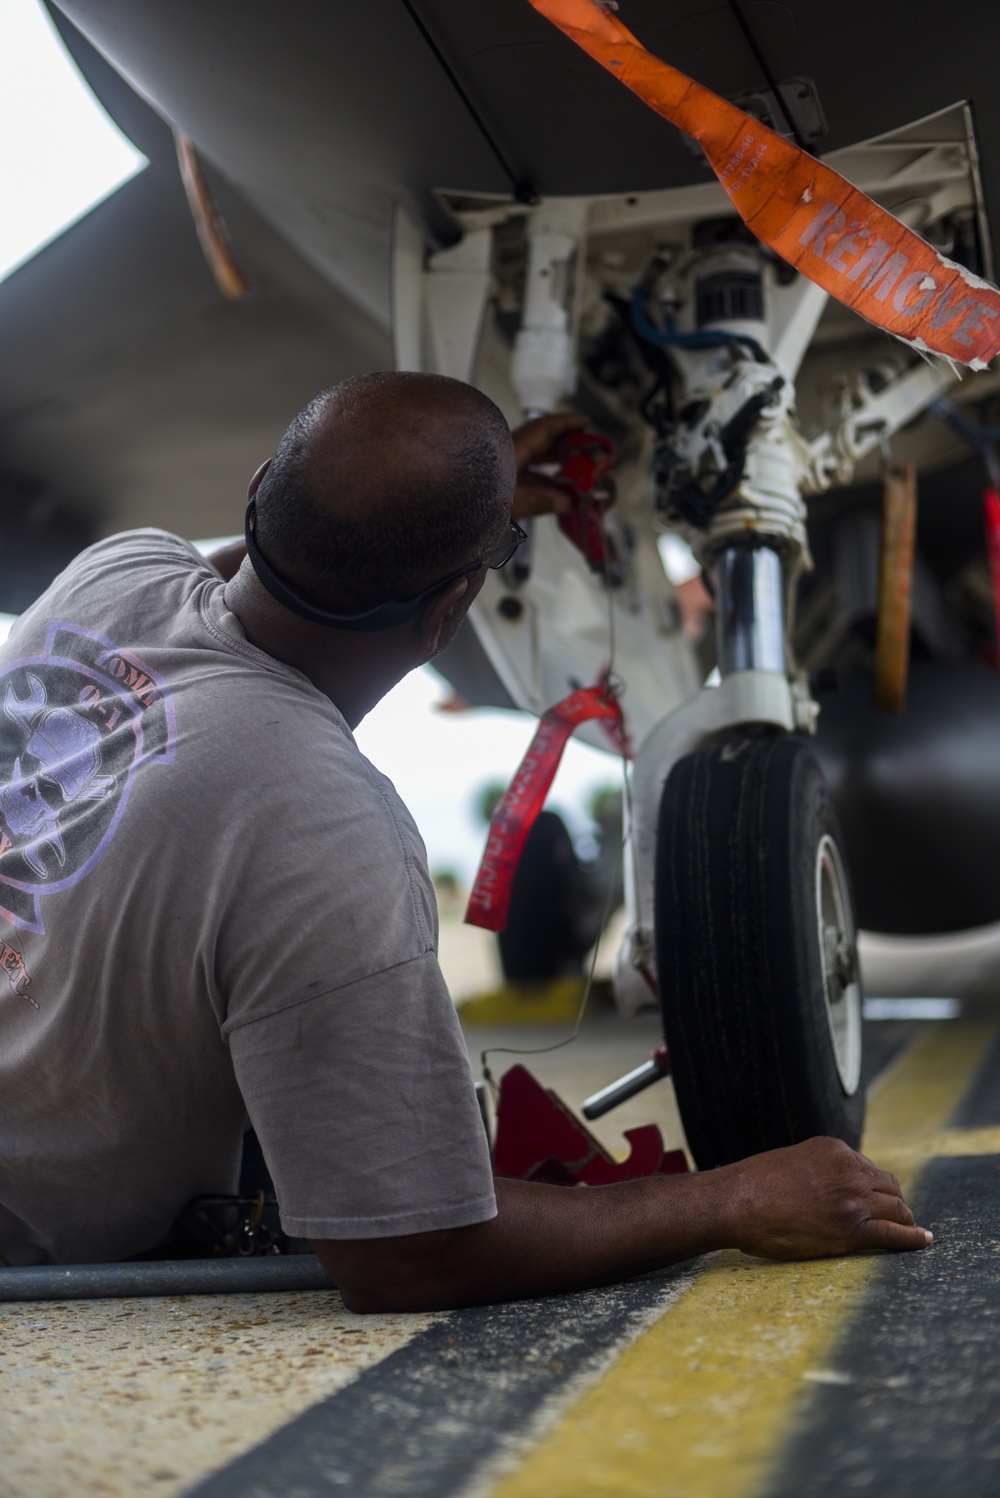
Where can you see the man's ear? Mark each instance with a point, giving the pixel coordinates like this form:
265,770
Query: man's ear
255,482
436,613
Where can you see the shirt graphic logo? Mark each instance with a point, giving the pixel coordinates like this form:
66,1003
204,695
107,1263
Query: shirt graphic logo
67,749
12,963
75,725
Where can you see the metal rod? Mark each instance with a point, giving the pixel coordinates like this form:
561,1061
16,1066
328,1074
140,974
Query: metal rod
164,1277
750,613
629,1086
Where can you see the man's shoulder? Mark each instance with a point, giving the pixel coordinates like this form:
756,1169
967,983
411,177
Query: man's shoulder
104,579
146,546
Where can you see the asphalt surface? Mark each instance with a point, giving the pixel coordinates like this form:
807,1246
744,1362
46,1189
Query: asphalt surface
914,1388
726,1378
463,1394
980,1108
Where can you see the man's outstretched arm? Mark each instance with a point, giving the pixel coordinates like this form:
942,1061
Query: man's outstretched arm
811,1200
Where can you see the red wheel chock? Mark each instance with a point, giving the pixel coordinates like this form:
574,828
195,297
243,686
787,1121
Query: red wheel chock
539,1139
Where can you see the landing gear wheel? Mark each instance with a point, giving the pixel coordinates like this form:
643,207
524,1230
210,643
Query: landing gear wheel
756,951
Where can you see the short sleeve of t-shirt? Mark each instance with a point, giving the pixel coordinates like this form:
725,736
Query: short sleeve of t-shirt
361,1099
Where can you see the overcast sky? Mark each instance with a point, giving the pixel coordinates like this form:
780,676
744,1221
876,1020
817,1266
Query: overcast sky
60,154
440,761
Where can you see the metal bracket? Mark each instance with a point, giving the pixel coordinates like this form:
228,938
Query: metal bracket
869,418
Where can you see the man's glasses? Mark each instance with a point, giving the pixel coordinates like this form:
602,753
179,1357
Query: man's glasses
502,553
383,615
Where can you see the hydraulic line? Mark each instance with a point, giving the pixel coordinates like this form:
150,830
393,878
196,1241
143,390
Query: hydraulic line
669,338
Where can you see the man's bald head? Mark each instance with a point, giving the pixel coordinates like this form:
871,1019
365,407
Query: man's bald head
382,485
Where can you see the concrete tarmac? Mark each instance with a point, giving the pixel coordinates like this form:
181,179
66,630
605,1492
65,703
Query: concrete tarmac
726,1378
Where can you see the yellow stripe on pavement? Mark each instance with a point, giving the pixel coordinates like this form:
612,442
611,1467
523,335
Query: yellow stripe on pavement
699,1406
908,1112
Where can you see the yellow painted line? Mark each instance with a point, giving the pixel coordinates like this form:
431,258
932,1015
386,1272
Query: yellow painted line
966,1142
700,1405
908,1112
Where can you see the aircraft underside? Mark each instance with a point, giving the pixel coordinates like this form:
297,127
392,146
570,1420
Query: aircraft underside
516,219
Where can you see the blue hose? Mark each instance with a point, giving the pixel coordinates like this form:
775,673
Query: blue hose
982,439
670,338
975,434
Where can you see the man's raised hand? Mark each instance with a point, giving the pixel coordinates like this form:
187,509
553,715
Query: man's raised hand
537,442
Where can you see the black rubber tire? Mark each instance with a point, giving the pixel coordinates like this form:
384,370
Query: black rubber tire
540,942
739,951
557,905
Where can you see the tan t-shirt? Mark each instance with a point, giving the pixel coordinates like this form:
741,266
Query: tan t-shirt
211,905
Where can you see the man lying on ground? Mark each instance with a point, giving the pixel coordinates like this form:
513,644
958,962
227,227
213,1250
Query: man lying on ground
212,906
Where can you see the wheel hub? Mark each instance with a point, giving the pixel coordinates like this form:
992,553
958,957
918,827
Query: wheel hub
838,946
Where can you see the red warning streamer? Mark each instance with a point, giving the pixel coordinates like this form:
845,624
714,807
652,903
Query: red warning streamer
809,214
991,517
514,818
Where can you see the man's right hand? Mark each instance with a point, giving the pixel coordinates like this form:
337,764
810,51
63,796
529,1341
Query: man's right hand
536,442
811,1200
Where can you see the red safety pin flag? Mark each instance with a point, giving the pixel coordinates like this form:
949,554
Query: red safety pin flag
524,798
991,519
805,211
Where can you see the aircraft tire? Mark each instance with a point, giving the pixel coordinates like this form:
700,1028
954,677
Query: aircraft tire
756,951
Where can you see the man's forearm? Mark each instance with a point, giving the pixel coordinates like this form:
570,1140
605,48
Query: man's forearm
543,1239
812,1199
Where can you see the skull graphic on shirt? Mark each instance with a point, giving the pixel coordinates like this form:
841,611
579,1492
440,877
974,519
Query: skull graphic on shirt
75,724
66,748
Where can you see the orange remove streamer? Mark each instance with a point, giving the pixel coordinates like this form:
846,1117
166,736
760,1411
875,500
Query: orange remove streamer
806,212
209,225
